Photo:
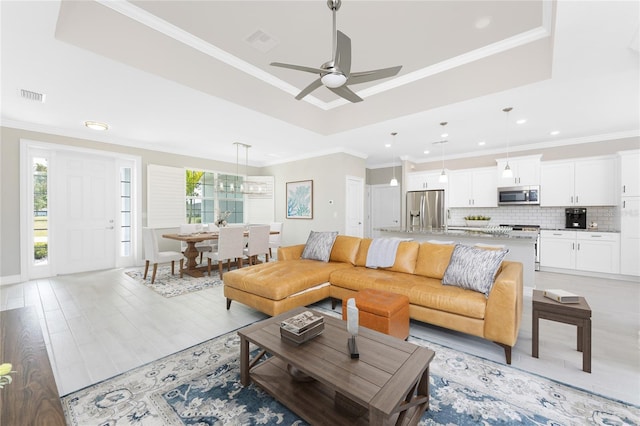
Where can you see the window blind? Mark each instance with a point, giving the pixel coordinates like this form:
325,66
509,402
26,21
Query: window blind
166,206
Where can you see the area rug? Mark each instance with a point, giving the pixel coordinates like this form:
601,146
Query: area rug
172,285
200,386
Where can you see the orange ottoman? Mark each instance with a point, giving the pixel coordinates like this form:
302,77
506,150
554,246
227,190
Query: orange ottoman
382,311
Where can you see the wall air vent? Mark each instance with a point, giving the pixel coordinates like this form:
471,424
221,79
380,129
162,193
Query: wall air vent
32,96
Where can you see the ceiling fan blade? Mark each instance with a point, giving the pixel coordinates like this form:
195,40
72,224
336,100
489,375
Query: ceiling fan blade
298,67
346,93
365,76
310,88
343,53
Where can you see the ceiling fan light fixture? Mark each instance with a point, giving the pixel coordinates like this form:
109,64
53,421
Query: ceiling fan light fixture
333,80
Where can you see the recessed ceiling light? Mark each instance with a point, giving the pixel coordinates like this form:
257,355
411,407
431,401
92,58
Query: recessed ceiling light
426,151
481,143
521,121
387,145
95,125
482,22
554,132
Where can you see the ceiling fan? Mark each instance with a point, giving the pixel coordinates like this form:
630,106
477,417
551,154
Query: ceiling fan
336,74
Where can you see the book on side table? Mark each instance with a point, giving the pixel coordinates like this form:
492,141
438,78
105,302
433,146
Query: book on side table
561,296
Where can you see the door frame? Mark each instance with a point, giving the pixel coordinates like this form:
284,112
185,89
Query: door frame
28,148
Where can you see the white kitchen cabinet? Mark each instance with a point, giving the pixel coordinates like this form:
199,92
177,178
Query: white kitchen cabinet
598,252
557,249
630,236
580,250
420,181
526,171
583,182
630,173
473,188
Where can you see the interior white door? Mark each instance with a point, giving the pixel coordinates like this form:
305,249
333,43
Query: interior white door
385,207
355,207
84,226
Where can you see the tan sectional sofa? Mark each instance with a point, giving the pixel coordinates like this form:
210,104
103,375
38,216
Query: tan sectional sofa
277,287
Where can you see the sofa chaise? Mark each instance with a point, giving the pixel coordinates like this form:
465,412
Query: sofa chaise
418,272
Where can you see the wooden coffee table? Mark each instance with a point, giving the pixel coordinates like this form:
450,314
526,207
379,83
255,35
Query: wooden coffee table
388,384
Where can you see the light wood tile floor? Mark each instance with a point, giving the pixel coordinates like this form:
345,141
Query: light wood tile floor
100,324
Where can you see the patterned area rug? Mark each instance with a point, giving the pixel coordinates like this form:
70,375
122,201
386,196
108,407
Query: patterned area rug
172,285
200,386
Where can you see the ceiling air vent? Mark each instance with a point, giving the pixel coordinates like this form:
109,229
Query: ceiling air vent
261,41
32,96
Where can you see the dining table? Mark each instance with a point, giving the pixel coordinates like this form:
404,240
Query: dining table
191,253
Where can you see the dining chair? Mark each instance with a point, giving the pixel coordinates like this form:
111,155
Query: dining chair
275,240
258,243
230,246
153,255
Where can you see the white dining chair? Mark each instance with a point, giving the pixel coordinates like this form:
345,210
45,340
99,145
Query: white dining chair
153,255
258,243
275,240
230,247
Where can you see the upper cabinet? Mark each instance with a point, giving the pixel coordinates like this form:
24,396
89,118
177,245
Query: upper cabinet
582,182
526,171
630,173
473,188
420,181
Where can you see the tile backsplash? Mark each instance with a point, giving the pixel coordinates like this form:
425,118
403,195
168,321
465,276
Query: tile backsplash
607,218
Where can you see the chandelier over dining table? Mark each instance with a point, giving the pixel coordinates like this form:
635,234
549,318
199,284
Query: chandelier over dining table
241,183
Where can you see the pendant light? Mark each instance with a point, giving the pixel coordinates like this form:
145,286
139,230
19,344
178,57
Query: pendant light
394,181
242,184
443,175
507,172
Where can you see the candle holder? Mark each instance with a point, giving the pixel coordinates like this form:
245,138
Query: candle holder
352,327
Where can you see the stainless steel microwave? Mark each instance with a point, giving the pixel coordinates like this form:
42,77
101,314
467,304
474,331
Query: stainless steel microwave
519,195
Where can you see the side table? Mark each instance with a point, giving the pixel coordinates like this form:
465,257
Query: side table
578,314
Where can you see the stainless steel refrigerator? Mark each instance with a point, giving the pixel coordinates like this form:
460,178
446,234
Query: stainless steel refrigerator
425,210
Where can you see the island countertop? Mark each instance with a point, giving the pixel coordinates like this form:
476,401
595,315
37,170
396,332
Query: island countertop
457,232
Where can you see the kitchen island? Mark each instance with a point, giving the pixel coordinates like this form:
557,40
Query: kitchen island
521,245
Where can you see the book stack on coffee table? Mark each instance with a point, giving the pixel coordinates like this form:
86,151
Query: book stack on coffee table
302,327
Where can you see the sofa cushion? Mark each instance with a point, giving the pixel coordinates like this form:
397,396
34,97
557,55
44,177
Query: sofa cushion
319,245
345,249
406,256
473,268
422,291
361,257
433,259
278,280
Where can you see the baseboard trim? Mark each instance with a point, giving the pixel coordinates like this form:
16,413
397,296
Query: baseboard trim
10,279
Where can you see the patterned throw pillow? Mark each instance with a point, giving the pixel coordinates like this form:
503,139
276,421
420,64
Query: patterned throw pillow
319,245
473,268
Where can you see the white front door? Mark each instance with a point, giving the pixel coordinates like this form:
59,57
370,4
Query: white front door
84,214
385,207
355,207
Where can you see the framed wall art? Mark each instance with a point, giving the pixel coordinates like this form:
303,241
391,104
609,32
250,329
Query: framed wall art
300,199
